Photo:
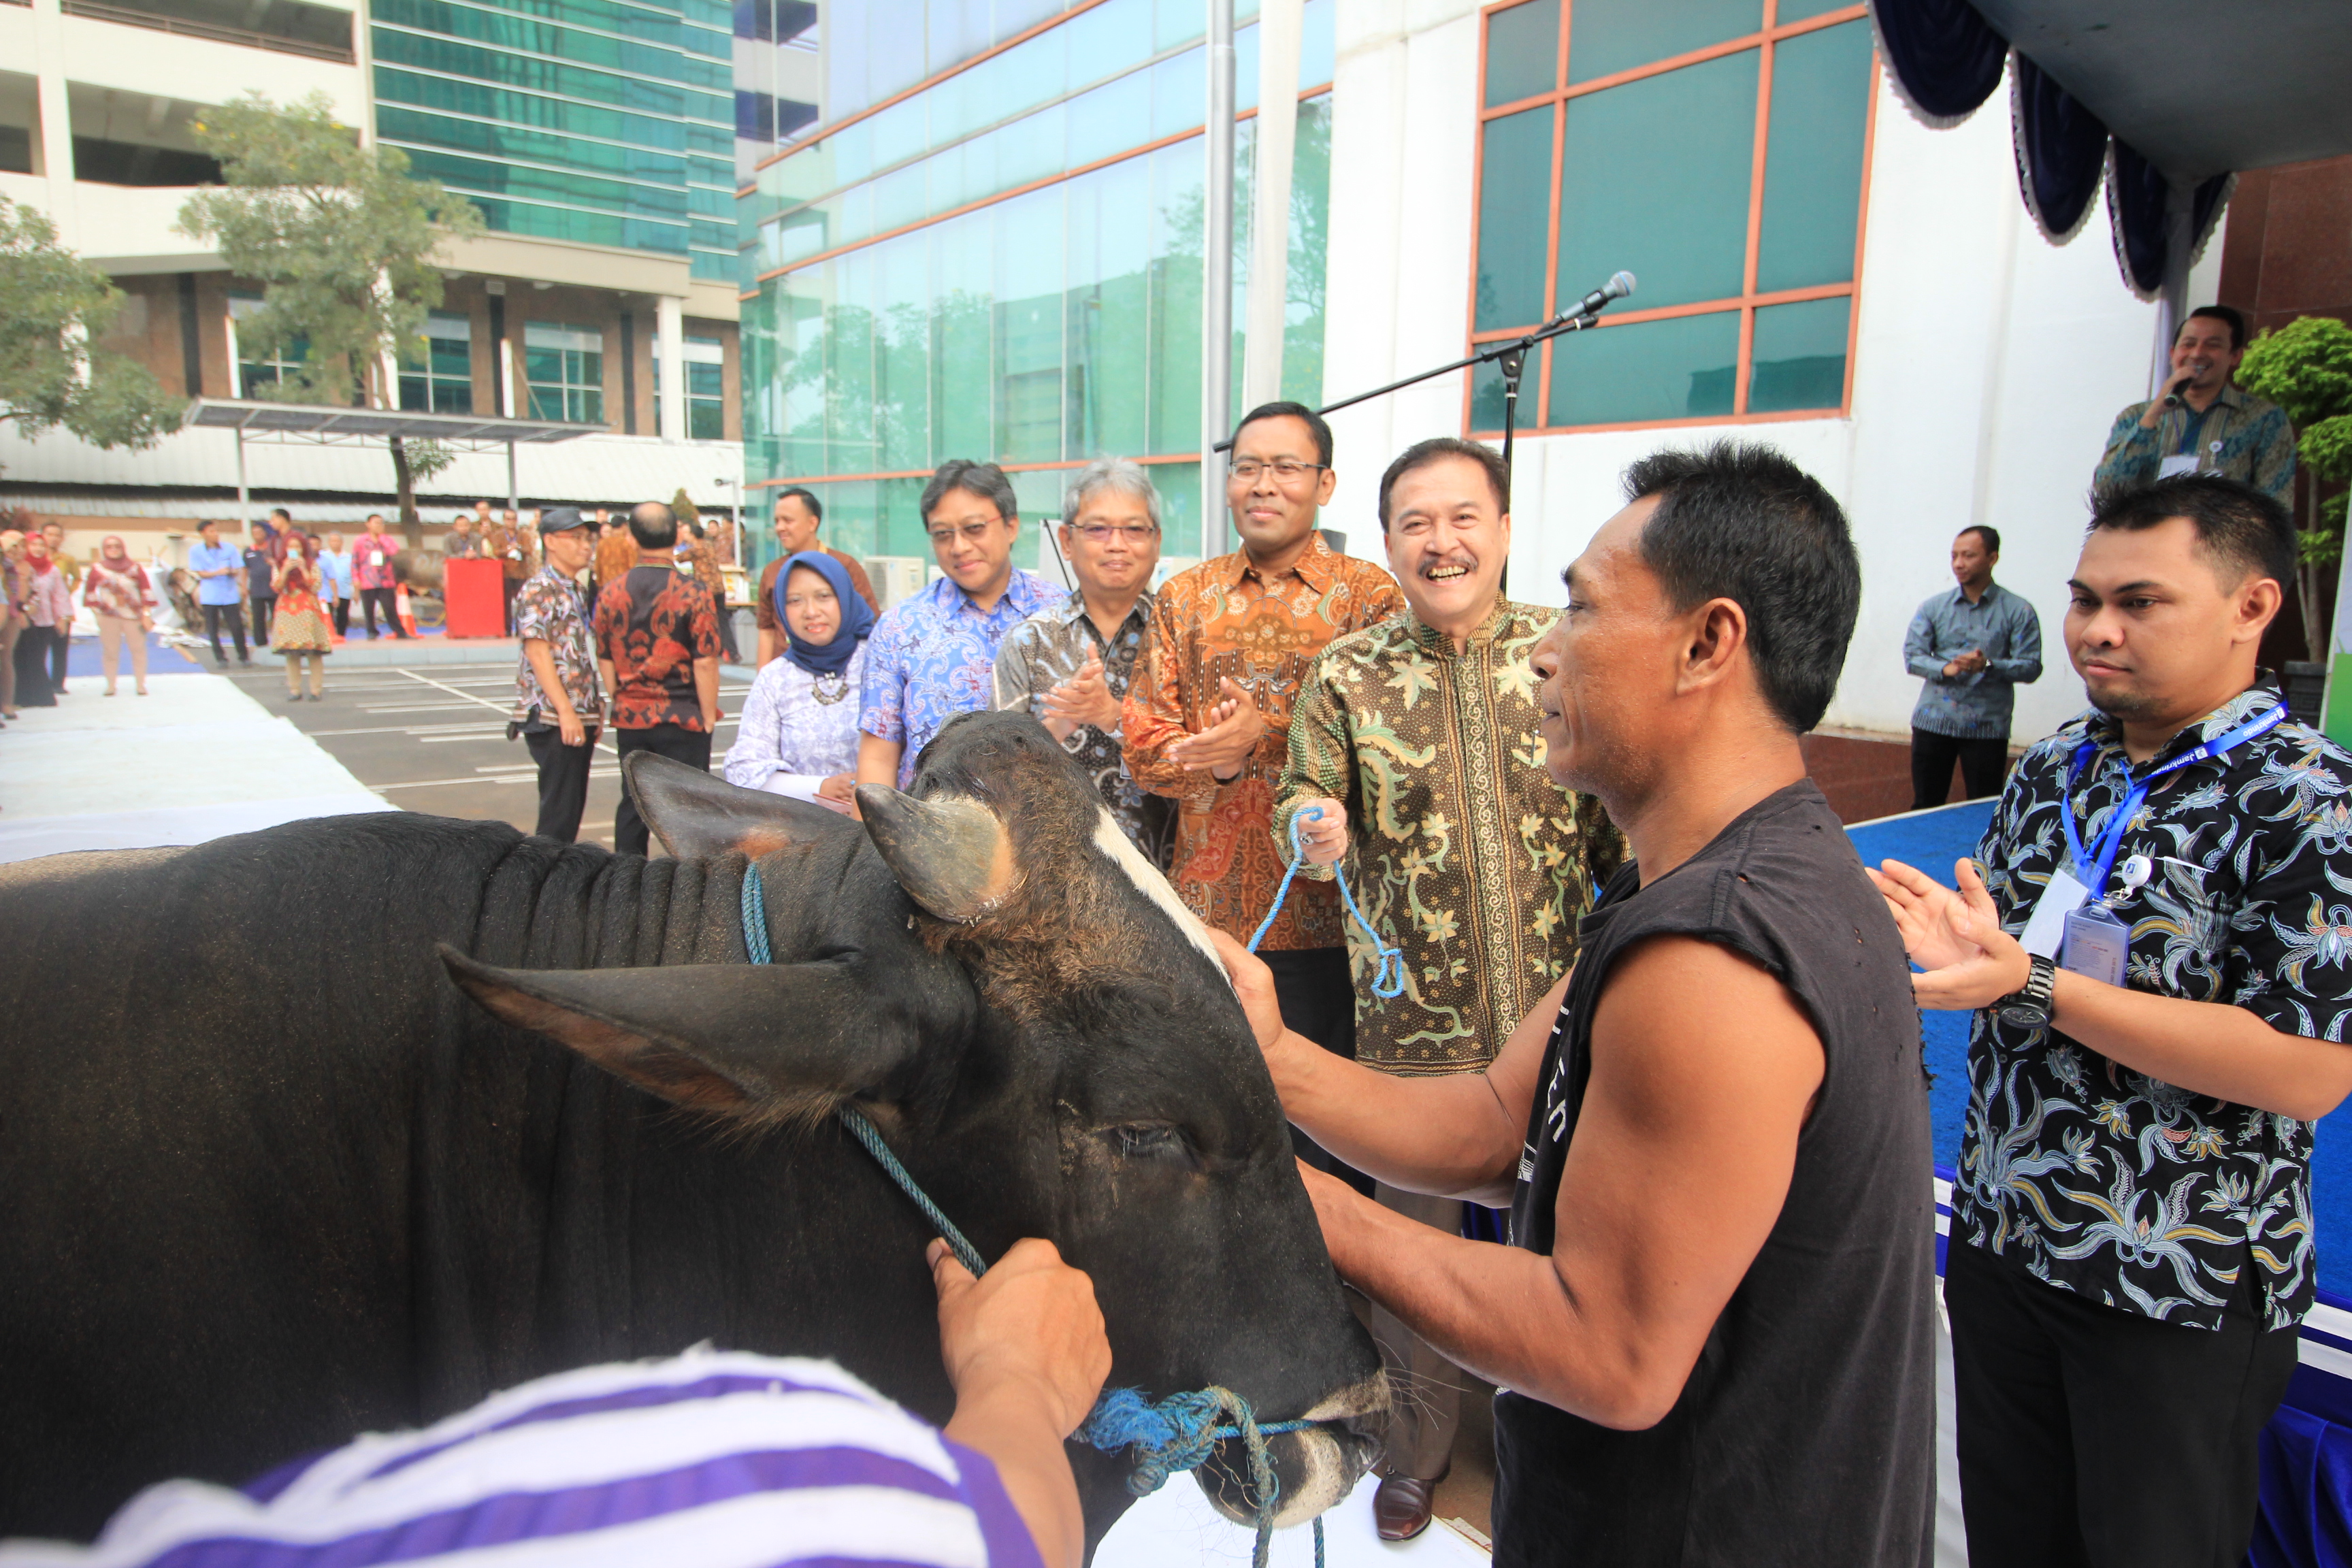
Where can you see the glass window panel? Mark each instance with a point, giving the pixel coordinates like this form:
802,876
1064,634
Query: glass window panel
1799,356
1605,37
1513,210
1175,348
1654,178
1180,86
1681,368
706,419
1813,167
1798,10
1103,122
1522,51
1318,43
1111,37
1310,224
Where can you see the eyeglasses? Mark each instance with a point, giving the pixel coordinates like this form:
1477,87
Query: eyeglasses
1127,532
974,532
1287,472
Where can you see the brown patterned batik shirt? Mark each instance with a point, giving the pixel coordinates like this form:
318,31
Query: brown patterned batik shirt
1461,848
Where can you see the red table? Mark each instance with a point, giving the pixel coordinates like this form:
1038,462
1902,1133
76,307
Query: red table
473,599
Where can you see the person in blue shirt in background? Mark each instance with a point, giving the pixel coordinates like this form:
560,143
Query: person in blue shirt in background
1973,646
220,589
335,566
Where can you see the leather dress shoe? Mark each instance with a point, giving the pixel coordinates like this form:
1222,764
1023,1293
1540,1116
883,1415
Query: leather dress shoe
1401,1508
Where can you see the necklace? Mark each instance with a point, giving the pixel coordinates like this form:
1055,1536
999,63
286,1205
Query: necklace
839,689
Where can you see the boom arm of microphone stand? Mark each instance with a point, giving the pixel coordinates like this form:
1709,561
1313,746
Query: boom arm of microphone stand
1486,355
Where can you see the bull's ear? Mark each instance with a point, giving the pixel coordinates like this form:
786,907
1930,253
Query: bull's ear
760,1043
695,813
952,857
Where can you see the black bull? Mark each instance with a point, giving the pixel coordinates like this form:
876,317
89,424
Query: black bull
272,1180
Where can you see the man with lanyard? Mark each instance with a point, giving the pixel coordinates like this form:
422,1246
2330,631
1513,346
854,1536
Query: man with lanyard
933,656
2201,424
1070,663
2151,954
559,700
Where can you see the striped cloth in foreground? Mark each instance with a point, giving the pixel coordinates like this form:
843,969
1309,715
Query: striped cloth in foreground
712,1458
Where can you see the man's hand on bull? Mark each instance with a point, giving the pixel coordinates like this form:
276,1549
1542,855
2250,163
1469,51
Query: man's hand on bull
1235,727
1025,1347
1254,984
1323,840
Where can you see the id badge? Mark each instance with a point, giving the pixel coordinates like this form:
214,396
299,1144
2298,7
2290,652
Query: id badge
2045,929
2096,944
2181,463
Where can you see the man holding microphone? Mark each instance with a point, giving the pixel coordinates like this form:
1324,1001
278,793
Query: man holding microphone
2154,955
2201,424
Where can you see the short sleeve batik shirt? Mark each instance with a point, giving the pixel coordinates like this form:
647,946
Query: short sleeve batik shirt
652,625
2106,1182
549,609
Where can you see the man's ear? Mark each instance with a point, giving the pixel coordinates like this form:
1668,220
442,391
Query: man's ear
752,1043
1718,630
2259,602
695,814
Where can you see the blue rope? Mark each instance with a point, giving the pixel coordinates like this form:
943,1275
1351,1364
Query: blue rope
1388,977
1181,1432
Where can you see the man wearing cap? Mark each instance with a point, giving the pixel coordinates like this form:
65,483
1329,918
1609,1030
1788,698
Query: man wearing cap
559,700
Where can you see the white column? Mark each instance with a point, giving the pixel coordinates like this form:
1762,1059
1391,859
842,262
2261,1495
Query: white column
1279,24
1216,275
669,353
56,124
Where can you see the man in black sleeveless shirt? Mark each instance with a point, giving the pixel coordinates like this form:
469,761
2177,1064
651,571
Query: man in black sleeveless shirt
1713,1325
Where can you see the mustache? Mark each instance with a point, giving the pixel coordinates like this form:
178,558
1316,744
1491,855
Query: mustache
1465,563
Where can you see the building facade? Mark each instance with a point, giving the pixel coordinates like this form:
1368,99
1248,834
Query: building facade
990,248
597,142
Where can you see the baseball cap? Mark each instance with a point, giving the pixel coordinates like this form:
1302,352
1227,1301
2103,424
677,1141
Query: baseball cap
560,519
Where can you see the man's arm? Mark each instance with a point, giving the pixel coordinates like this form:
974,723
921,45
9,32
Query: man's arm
2023,663
861,584
881,709
1454,1136
2132,448
768,648
1154,717
1704,1070
2274,458
706,689
1321,767
541,654
2206,1048
1919,650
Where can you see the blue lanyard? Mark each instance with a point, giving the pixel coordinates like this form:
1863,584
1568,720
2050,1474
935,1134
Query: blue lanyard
2220,747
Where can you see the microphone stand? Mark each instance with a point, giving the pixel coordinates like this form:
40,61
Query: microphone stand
1510,356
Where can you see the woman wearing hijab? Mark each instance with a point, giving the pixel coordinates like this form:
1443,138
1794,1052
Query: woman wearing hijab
47,605
118,592
299,627
798,734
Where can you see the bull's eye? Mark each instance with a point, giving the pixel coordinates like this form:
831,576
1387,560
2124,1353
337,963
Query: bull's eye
1151,1141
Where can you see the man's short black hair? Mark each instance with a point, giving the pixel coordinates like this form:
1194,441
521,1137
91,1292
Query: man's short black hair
1740,521
654,526
281,512
2231,318
1990,535
2240,528
985,480
1421,454
808,499
1314,422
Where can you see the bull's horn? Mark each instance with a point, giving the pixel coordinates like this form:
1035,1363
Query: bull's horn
952,857
695,814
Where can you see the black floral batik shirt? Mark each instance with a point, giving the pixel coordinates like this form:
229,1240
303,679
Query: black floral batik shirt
2106,1182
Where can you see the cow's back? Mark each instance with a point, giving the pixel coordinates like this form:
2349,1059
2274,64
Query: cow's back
271,1180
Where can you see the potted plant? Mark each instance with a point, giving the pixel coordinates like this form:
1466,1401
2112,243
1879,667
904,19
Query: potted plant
2306,367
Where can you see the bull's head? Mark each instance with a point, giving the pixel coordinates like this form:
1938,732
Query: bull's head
1041,1029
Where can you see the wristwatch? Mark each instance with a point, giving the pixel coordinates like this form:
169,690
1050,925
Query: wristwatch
2029,1005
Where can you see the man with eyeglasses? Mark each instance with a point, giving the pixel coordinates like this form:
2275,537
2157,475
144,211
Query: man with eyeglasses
1234,640
933,656
1070,663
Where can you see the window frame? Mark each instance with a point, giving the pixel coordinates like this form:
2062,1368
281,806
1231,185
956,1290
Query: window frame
1538,384
571,363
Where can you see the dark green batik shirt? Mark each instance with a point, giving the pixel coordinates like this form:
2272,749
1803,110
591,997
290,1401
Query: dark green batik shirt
1461,848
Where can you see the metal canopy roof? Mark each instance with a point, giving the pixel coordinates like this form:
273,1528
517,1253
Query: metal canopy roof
325,424
2199,89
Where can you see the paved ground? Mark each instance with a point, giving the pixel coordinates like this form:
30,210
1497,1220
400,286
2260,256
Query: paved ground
433,738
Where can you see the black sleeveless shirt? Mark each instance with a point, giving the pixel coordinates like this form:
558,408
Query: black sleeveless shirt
1805,1434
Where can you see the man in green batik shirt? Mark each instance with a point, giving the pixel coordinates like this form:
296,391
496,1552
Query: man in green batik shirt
1417,738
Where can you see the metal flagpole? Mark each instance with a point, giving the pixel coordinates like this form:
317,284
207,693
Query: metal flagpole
244,515
1217,277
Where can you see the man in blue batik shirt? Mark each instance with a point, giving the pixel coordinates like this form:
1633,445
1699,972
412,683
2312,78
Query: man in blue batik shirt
2158,955
1973,646
933,656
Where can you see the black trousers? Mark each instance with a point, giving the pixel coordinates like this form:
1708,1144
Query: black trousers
1318,1001
630,835
342,617
31,662
2090,1437
58,648
232,616
373,599
264,606
1983,764
562,780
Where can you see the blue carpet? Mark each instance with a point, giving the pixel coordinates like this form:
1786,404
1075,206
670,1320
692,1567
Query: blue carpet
1932,840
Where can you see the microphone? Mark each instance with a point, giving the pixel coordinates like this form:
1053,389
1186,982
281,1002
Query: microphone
1617,288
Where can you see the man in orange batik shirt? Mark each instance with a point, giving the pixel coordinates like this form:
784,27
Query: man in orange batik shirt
1207,718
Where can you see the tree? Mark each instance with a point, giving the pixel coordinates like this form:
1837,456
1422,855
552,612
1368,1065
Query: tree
343,241
53,307
2306,367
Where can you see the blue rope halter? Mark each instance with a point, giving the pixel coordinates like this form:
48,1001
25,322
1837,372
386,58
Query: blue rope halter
1388,977
1177,1434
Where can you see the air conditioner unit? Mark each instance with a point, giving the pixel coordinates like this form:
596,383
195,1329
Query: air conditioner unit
896,577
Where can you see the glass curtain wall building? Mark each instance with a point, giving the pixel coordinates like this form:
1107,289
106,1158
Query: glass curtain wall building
599,121
1006,263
